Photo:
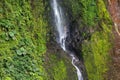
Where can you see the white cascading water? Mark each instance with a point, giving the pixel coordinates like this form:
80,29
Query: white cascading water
78,71
60,24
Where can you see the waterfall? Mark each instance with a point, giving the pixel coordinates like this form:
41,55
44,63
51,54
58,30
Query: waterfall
62,29
78,71
59,23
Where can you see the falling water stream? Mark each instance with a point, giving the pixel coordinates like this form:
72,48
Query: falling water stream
61,27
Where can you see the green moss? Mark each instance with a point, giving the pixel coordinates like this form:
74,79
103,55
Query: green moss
60,69
56,68
96,51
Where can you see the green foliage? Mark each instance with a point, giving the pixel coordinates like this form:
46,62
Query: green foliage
95,51
89,12
56,68
93,15
85,10
59,70
22,40
59,67
23,29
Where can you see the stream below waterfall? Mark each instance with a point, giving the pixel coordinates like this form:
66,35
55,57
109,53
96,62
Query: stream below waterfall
60,25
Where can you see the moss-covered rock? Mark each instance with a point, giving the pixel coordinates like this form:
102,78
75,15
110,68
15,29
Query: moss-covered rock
96,50
94,26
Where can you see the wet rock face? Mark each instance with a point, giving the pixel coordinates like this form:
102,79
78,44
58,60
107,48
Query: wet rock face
75,38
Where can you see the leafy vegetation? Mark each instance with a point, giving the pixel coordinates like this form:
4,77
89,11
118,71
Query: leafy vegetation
96,51
93,16
57,68
86,10
22,40
23,29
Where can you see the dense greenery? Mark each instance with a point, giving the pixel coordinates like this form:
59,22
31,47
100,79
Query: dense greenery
59,67
23,29
84,9
22,40
93,15
56,68
96,51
